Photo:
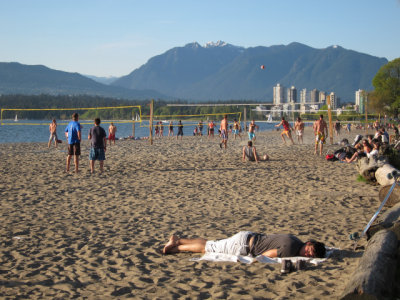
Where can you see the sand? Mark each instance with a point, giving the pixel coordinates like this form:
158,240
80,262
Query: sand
98,236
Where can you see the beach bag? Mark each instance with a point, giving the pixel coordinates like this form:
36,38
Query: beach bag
330,157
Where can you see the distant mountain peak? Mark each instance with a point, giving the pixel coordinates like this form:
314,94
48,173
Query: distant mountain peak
219,43
193,45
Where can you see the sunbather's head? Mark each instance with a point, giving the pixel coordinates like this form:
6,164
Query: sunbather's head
313,248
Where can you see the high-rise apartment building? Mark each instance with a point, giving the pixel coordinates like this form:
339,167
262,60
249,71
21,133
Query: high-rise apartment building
334,102
303,96
292,95
361,99
322,98
279,95
314,96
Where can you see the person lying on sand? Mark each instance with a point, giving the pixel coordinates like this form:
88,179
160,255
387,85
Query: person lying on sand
251,153
249,243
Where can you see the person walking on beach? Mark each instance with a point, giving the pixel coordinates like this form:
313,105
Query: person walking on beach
286,130
98,145
248,243
250,152
236,127
171,129
73,135
252,130
321,133
299,128
180,130
53,133
112,130
224,131
337,126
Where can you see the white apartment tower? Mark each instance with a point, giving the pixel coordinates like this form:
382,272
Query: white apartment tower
292,95
360,101
334,103
279,95
314,96
303,96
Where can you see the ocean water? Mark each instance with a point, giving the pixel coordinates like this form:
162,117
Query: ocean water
29,131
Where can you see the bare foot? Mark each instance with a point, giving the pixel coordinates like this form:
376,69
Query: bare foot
173,242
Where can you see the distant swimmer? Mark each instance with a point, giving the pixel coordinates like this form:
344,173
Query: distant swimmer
286,130
112,130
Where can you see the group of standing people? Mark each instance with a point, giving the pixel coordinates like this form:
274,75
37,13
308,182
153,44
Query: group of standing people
73,133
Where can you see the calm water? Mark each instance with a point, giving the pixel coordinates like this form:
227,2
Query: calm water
38,131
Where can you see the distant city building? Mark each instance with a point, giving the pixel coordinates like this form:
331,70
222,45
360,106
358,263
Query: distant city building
303,96
322,98
361,99
292,95
314,96
279,94
334,100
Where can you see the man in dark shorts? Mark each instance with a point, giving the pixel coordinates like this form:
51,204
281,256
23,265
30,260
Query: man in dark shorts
249,243
180,130
73,135
97,136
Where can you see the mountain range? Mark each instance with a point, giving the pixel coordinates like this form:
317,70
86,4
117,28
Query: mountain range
16,78
215,71
220,71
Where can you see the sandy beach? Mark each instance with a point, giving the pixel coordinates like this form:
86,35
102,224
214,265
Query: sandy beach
98,236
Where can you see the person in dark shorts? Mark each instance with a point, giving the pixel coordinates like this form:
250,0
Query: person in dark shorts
180,130
249,243
73,135
97,136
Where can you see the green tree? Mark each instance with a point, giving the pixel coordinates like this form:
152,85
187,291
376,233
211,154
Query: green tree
386,97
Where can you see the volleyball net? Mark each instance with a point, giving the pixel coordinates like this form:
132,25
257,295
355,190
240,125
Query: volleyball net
35,116
191,119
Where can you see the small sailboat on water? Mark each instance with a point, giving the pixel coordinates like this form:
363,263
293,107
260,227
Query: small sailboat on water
16,118
269,118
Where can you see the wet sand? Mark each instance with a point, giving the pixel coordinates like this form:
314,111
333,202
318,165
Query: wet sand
97,236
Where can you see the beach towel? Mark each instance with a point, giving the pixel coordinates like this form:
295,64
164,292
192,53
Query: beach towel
220,257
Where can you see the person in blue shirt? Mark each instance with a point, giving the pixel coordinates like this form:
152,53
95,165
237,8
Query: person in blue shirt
73,135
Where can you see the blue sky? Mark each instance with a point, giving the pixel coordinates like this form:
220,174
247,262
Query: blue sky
114,37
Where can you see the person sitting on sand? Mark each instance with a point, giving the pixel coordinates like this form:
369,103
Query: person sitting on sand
249,243
251,153
366,149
